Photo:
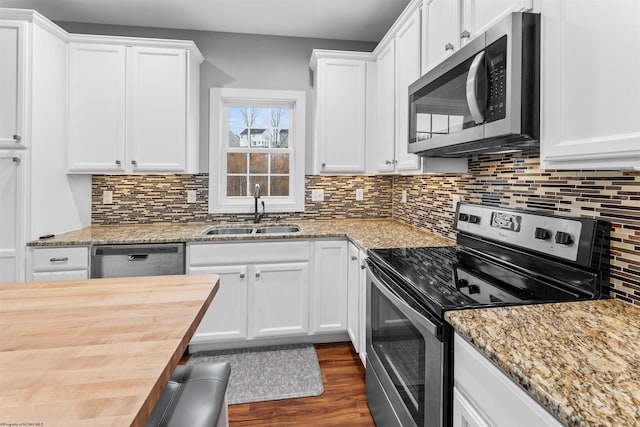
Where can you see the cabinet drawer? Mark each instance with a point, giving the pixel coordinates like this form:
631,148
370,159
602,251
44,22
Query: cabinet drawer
243,253
57,259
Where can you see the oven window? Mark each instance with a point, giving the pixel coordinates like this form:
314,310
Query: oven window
401,349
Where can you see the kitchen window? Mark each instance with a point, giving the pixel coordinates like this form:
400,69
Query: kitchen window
256,137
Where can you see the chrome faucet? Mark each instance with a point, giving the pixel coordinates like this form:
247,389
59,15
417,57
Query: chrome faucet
256,196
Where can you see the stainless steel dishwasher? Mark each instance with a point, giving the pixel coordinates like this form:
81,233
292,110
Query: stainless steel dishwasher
137,260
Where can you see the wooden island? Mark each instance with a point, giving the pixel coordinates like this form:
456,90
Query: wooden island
94,352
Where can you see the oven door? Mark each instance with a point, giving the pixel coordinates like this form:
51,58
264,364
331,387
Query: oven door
407,359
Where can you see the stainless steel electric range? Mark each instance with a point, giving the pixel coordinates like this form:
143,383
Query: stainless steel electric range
502,257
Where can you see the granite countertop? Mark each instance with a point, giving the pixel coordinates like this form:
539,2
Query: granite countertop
580,360
367,234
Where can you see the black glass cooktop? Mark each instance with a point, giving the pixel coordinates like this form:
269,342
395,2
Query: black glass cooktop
449,278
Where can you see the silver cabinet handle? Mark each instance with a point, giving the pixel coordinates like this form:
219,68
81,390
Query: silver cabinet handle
134,162
465,34
353,257
242,275
472,81
448,46
137,257
17,138
16,160
62,259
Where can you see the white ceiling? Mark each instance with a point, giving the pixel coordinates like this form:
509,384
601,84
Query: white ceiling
363,20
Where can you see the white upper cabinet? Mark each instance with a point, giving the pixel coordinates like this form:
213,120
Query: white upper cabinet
398,62
133,107
407,71
478,15
97,107
590,85
12,83
340,111
441,31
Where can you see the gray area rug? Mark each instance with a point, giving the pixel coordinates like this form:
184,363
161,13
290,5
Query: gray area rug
268,373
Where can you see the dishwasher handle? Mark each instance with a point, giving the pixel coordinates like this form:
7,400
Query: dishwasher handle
137,257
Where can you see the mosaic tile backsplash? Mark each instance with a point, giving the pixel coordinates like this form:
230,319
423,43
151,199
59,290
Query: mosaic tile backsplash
508,180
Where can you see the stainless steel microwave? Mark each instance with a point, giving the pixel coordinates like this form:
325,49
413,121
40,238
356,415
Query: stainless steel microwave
484,98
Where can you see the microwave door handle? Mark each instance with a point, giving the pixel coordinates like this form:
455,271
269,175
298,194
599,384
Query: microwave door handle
472,79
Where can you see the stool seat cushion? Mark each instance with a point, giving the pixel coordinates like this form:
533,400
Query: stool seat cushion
194,397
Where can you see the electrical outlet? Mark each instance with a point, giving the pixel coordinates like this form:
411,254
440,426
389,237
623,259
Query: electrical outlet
456,199
404,196
359,195
191,196
107,197
317,195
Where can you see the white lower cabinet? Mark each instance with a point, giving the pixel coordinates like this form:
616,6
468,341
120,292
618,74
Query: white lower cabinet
226,318
357,301
264,290
329,286
57,263
486,396
279,299
11,194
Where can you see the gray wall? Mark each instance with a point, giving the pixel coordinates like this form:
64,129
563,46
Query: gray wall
241,61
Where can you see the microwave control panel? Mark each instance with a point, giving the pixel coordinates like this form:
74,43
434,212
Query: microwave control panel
496,63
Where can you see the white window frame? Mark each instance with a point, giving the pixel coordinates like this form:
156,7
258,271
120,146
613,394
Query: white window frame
221,97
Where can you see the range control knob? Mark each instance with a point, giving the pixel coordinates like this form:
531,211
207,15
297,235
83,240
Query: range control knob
563,238
474,289
474,219
542,233
463,217
463,283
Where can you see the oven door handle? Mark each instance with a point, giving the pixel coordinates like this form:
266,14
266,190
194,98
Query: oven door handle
425,323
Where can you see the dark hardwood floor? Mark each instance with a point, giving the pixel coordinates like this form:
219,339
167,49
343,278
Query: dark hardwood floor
343,402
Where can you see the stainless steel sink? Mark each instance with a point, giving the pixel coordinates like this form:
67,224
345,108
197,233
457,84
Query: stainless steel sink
228,230
268,229
278,229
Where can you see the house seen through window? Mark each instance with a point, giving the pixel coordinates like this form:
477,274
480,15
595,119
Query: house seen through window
257,137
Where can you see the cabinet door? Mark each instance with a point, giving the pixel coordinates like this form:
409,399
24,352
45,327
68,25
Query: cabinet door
341,111
226,318
11,252
464,414
407,71
590,86
441,32
386,108
48,276
362,313
478,15
157,105
330,286
97,135
279,299
12,83
353,297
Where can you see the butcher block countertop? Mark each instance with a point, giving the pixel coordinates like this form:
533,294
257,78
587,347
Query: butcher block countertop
580,360
368,234
94,352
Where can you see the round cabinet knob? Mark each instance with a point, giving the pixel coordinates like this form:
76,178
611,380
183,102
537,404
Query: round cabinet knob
242,275
448,46
118,162
17,138
258,274
563,238
463,283
474,219
542,233
134,162
362,267
353,257
387,162
463,217
465,34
